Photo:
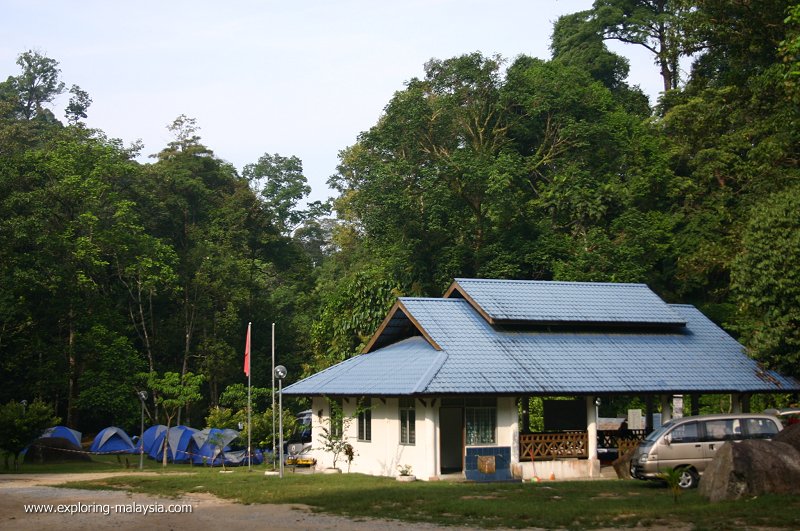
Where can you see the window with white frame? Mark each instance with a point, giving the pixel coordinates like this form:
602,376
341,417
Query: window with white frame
408,417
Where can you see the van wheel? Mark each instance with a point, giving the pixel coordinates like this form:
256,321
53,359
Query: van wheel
689,479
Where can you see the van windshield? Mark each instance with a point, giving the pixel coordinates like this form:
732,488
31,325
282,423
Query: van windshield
302,431
658,432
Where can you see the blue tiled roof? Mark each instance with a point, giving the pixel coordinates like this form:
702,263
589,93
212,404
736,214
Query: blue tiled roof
477,357
399,369
568,302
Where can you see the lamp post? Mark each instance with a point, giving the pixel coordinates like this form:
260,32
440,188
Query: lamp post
24,405
280,374
142,397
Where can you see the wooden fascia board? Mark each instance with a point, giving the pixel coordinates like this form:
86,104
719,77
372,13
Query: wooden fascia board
399,306
381,328
455,287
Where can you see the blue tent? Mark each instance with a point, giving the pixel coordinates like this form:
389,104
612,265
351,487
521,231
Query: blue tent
112,440
148,438
180,442
56,443
212,446
62,432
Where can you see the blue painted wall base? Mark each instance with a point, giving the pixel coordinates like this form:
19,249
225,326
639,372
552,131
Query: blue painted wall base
502,461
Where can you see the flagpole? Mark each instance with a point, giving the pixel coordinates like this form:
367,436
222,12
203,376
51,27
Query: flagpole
273,393
249,406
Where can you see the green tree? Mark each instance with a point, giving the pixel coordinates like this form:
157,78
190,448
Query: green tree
766,281
790,51
656,25
21,424
349,316
79,103
576,42
38,84
107,383
173,391
282,186
233,413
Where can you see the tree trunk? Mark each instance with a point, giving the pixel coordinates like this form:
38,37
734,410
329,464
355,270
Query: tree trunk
166,443
188,326
72,364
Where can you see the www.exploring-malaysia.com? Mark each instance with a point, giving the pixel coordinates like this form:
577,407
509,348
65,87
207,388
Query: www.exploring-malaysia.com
107,508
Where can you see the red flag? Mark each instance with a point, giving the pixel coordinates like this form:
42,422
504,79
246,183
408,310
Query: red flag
247,352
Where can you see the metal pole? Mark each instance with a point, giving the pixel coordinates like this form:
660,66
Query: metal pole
273,393
142,397
141,441
249,417
280,416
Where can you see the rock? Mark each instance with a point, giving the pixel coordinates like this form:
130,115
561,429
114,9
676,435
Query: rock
789,435
622,464
751,468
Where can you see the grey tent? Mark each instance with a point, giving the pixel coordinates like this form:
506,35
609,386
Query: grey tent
112,440
212,445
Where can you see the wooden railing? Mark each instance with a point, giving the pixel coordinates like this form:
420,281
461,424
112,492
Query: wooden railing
533,446
552,445
613,438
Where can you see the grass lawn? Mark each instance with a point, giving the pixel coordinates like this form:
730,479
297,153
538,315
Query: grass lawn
556,504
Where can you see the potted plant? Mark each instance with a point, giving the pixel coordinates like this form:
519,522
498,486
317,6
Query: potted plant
404,472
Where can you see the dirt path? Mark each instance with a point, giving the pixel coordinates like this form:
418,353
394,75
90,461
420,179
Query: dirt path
207,511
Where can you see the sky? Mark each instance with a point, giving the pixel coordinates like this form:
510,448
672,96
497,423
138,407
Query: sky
300,77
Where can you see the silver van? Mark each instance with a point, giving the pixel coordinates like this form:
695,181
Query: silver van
689,443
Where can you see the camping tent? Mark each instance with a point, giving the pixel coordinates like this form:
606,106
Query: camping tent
62,432
112,440
148,438
212,446
239,457
181,444
55,444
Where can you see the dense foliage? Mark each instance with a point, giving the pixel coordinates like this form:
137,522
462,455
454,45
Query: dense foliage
485,167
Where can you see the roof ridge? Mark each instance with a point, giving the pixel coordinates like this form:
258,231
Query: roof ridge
430,374
563,282
429,299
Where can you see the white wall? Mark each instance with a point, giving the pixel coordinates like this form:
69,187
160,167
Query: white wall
383,454
508,425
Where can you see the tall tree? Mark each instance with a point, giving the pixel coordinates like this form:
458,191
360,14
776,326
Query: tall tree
37,85
656,25
282,186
